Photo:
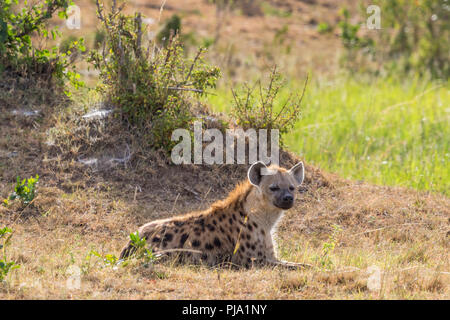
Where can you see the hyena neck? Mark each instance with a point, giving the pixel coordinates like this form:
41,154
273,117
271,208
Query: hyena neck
248,200
257,209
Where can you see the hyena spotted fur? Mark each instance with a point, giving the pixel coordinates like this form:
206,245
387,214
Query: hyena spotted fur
237,230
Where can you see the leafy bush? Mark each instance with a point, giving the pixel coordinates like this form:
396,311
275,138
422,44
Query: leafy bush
324,27
354,44
141,248
259,110
25,190
65,44
108,259
419,36
20,56
141,254
413,39
171,28
5,265
150,86
325,260
99,38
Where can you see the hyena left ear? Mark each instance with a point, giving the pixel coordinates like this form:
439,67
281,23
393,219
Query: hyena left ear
254,173
298,172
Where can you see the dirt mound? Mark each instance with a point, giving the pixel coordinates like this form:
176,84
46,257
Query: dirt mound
163,189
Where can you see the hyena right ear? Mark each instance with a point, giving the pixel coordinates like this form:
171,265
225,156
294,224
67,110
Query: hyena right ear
298,172
254,173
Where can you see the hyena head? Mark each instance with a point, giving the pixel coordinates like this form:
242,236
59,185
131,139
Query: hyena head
276,185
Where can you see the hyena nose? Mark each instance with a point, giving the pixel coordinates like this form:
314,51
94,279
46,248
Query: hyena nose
288,198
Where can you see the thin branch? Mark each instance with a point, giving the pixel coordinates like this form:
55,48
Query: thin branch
139,34
193,64
300,100
185,89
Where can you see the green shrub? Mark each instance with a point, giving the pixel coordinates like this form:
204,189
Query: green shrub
354,45
418,37
142,254
65,44
281,35
99,38
324,27
18,54
171,28
207,42
349,31
141,248
5,265
325,259
151,86
413,39
261,110
108,259
25,190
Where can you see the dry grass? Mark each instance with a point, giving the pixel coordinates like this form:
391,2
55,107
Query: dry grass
402,232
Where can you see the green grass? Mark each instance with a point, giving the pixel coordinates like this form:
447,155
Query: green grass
382,131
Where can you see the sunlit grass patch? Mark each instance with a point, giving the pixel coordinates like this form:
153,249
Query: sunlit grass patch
383,131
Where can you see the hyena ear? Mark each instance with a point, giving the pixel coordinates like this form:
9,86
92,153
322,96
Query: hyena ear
298,172
254,173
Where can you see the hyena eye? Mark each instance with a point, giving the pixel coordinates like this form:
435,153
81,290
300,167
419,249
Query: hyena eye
291,188
274,188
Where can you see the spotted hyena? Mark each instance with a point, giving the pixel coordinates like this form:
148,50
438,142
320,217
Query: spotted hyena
237,230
